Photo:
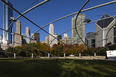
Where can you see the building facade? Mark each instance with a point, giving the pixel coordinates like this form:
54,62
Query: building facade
35,38
46,40
69,40
102,27
55,40
26,36
65,35
90,39
17,35
27,31
51,31
80,27
59,38
1,37
8,13
72,40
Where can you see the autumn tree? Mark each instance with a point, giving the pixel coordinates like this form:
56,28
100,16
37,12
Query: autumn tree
81,48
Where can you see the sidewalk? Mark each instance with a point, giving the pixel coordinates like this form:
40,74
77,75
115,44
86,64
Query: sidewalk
82,57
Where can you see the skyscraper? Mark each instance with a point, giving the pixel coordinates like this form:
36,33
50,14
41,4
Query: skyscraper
8,13
26,36
0,39
17,35
102,27
27,31
65,35
54,38
51,31
35,38
79,26
46,40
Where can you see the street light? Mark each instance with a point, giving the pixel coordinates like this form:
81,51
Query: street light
87,20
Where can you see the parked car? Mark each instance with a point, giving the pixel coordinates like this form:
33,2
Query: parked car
71,55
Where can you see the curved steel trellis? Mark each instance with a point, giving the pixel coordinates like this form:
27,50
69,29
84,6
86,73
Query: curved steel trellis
28,45
27,10
107,35
77,15
26,7
77,12
60,18
19,43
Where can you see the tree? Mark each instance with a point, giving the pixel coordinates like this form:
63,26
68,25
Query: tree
81,48
9,52
20,51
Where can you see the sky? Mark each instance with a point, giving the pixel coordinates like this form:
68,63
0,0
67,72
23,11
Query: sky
53,10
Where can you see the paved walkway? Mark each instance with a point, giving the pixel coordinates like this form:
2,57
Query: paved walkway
82,57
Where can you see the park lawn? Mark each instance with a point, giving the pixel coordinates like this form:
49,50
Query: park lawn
56,68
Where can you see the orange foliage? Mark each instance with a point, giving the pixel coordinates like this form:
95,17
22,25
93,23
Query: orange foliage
81,48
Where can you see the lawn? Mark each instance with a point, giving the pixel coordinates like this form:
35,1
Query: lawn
56,68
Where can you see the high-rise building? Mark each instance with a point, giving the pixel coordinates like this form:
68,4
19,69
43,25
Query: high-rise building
17,35
55,40
51,31
18,27
102,27
65,35
79,26
46,40
27,31
59,38
26,36
8,14
1,39
35,38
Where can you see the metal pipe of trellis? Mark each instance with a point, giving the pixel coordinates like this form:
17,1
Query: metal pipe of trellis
19,43
30,9
89,9
26,37
81,11
77,12
107,34
98,6
27,18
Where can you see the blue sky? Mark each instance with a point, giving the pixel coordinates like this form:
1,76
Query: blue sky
55,9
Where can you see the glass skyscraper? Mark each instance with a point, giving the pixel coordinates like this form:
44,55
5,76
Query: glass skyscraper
8,13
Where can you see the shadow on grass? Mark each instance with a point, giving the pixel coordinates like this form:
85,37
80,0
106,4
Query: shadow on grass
56,68
29,68
86,68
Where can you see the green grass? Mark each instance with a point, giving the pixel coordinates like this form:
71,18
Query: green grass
56,68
